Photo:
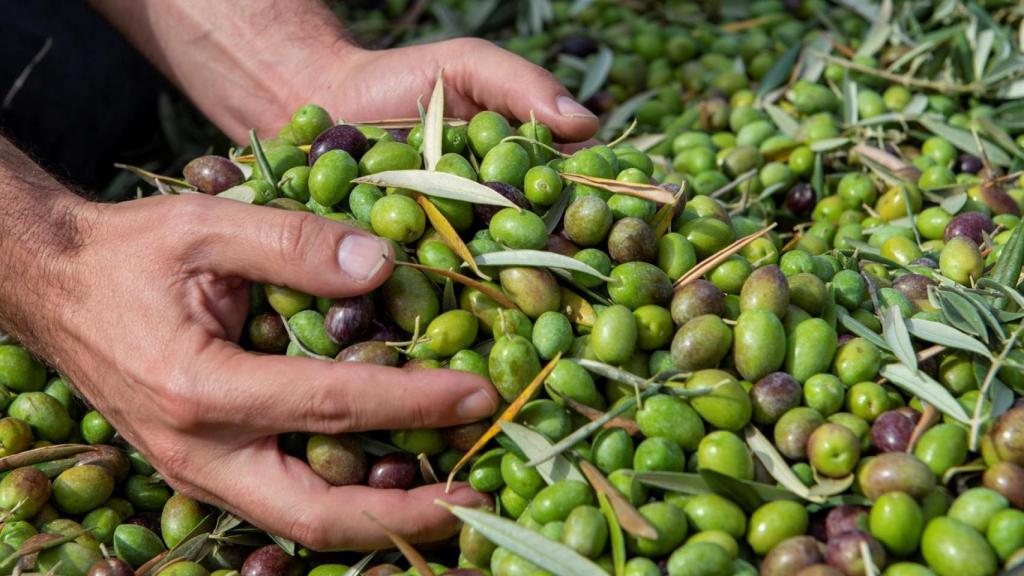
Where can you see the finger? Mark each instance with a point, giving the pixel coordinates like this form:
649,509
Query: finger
289,248
291,501
504,82
290,393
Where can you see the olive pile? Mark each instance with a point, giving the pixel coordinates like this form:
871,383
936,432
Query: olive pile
795,310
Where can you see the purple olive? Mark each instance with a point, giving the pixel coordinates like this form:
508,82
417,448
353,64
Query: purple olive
578,45
341,137
150,523
114,460
800,198
270,560
559,244
370,352
484,212
268,334
969,163
384,330
399,134
926,262
396,470
913,286
970,225
791,555
891,432
773,395
845,518
213,174
383,570
1006,478
348,318
843,552
464,436
338,459
110,567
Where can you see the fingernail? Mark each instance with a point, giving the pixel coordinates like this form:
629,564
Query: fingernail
475,406
361,256
572,109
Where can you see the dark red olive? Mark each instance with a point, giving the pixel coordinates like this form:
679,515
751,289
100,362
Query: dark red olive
601,102
578,45
969,163
110,567
396,470
1006,478
384,330
484,212
800,198
348,318
926,262
843,552
341,137
773,395
152,524
891,432
791,555
399,134
464,436
213,174
559,244
970,225
913,286
1008,436
844,519
270,560
268,334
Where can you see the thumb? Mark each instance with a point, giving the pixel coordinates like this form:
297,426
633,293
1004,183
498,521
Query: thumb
300,250
499,80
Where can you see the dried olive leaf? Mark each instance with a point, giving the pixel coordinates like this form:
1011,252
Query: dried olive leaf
629,518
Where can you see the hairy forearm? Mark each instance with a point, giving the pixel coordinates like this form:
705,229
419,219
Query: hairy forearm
42,226
245,64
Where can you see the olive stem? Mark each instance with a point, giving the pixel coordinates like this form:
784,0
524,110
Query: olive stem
972,88
997,364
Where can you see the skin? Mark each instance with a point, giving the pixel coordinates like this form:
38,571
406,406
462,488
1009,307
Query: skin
147,329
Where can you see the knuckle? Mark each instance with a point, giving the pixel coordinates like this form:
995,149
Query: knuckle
310,530
330,413
173,459
294,235
470,44
181,404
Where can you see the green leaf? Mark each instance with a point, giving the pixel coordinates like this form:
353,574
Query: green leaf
850,111
780,71
552,556
433,125
623,114
999,135
982,51
829,144
939,333
783,121
964,140
261,159
813,57
285,544
959,312
537,258
851,324
895,333
818,177
439,184
533,444
596,75
733,489
357,568
776,465
926,388
615,536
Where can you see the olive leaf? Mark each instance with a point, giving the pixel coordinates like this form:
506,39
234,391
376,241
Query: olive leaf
548,554
783,121
618,118
895,333
508,415
193,549
645,191
357,568
488,290
777,466
926,388
629,518
433,125
689,483
717,258
1008,266
959,312
963,140
261,160
779,73
36,546
531,444
408,550
617,374
939,333
742,494
902,170
538,258
596,74
449,234
42,454
615,537
175,185
999,136
829,144
555,212
439,184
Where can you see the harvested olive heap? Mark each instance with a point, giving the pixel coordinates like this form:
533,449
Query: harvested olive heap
773,326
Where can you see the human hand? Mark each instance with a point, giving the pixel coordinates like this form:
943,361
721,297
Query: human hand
362,85
148,335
